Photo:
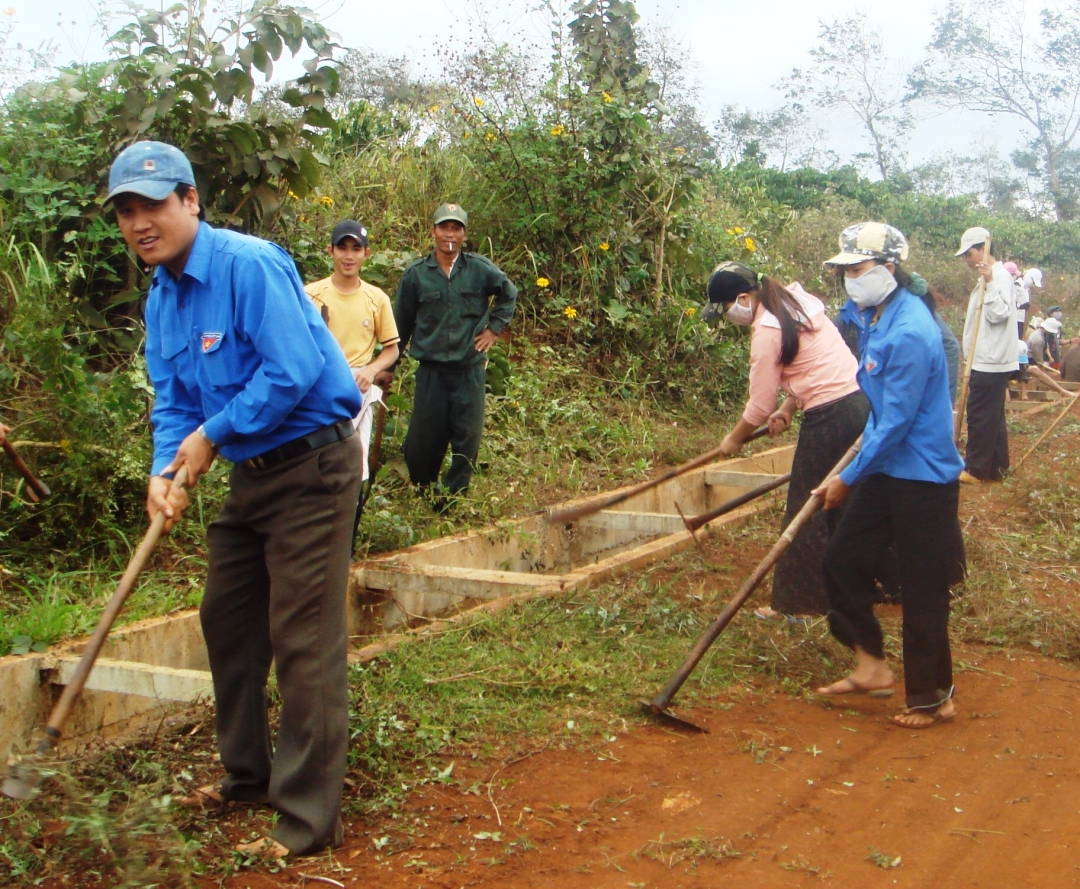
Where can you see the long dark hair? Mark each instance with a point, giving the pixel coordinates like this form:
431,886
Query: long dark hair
776,298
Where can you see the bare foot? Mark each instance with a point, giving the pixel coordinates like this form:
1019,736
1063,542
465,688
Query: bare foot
918,719
766,613
204,796
849,685
265,848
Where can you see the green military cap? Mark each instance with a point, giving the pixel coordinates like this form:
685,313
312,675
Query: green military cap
446,212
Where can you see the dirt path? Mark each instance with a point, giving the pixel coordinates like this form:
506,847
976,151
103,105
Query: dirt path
782,792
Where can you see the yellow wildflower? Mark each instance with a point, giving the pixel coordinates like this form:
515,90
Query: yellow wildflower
750,245
542,283
558,130
433,108
680,150
65,445
605,246
691,312
607,96
294,195
301,218
326,201
477,101
466,134
489,137
570,312
731,231
737,230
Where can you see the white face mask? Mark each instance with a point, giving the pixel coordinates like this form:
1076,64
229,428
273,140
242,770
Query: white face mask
870,288
737,313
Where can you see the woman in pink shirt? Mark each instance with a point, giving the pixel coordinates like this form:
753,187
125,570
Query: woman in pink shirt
796,348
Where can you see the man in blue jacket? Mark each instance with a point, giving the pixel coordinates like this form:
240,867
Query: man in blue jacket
905,480
242,364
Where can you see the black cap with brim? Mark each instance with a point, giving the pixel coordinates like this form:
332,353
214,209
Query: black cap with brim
349,228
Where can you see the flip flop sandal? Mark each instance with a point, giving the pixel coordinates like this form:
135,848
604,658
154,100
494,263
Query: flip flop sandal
935,719
264,848
857,688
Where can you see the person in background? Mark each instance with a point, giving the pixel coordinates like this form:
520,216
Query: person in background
1039,341
1022,299
361,318
994,360
1022,376
1021,296
1053,334
1070,364
241,363
358,314
794,347
904,492
444,318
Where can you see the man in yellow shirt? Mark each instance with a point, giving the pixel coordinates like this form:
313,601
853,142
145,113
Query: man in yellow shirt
358,314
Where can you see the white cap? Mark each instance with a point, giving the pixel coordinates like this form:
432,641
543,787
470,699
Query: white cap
1034,277
1052,325
971,237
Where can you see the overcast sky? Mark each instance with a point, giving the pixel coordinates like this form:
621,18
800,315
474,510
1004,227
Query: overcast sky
740,49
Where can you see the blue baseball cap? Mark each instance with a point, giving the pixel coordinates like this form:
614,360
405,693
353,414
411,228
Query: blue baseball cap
152,169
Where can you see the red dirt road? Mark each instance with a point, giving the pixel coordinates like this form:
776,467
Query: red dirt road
783,792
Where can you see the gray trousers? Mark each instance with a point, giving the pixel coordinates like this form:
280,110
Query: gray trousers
275,592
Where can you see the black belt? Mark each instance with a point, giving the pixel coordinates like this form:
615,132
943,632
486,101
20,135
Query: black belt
320,438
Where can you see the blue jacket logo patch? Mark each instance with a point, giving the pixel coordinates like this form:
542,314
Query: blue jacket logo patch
209,340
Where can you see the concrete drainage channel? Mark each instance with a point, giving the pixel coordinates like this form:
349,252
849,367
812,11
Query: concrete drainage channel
148,668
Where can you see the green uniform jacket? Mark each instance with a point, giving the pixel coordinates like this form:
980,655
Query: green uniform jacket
443,316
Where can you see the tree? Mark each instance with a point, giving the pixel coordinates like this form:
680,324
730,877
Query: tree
991,57
850,73
784,138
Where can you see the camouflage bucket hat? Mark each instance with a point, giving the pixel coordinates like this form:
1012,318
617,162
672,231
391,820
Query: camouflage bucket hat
870,240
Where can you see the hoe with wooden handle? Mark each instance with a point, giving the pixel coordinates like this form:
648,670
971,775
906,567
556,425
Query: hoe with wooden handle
660,705
564,516
36,488
25,772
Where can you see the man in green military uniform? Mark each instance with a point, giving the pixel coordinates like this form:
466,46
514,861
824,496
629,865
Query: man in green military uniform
450,308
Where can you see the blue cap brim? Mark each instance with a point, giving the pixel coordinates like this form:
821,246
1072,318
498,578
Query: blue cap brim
155,189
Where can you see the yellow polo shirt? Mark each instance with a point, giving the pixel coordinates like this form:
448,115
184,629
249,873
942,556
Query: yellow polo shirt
357,320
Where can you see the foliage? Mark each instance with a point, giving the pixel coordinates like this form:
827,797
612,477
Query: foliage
984,57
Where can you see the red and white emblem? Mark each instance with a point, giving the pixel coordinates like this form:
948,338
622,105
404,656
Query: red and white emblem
209,340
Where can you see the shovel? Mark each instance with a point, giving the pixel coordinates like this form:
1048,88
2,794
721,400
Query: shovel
660,705
25,773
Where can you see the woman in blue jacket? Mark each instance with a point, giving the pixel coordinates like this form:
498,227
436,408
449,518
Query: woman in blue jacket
907,472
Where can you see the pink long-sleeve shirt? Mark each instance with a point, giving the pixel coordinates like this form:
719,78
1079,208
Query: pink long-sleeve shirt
823,371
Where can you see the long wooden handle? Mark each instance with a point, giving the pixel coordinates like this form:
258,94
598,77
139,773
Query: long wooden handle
738,600
587,509
735,502
37,488
1074,399
965,383
74,687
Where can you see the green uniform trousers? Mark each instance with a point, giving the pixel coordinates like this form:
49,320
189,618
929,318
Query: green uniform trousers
448,409
275,591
